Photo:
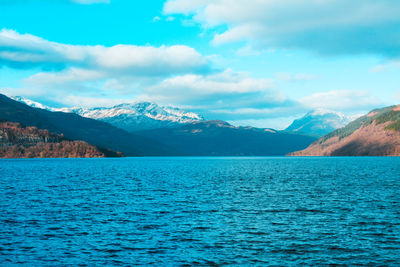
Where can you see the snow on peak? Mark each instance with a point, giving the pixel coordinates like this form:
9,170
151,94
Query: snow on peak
319,122
29,102
131,111
135,110
323,112
147,109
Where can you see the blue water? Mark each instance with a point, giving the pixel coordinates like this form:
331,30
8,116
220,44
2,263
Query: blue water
206,211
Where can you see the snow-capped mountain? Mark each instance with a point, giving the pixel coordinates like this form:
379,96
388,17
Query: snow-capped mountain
129,116
319,122
30,102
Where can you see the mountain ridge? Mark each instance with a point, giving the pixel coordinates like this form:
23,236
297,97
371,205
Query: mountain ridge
128,116
374,134
203,138
219,138
75,127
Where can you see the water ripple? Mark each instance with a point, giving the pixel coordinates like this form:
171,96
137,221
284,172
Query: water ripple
200,211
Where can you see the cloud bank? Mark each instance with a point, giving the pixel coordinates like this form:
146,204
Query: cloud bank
29,51
342,100
332,27
177,75
171,75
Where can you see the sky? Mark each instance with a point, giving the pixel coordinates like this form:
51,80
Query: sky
261,62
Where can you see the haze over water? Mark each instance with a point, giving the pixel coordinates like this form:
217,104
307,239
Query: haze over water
174,211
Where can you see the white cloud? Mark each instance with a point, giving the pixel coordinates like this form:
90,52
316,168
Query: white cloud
27,51
325,27
394,64
167,19
87,71
94,71
177,75
168,74
341,100
72,75
226,95
216,89
224,82
184,7
148,60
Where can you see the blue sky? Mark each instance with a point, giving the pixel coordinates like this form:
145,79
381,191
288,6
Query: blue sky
262,63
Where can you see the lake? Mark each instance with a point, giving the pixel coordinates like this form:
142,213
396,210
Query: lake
200,211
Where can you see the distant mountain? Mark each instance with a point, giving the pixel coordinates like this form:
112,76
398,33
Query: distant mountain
375,134
131,117
30,142
75,127
319,122
219,138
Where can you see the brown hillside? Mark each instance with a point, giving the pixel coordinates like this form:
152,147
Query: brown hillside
375,134
29,142
371,140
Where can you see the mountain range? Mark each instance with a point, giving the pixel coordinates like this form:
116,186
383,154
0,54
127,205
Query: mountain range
128,116
125,128
146,129
374,134
75,127
141,116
